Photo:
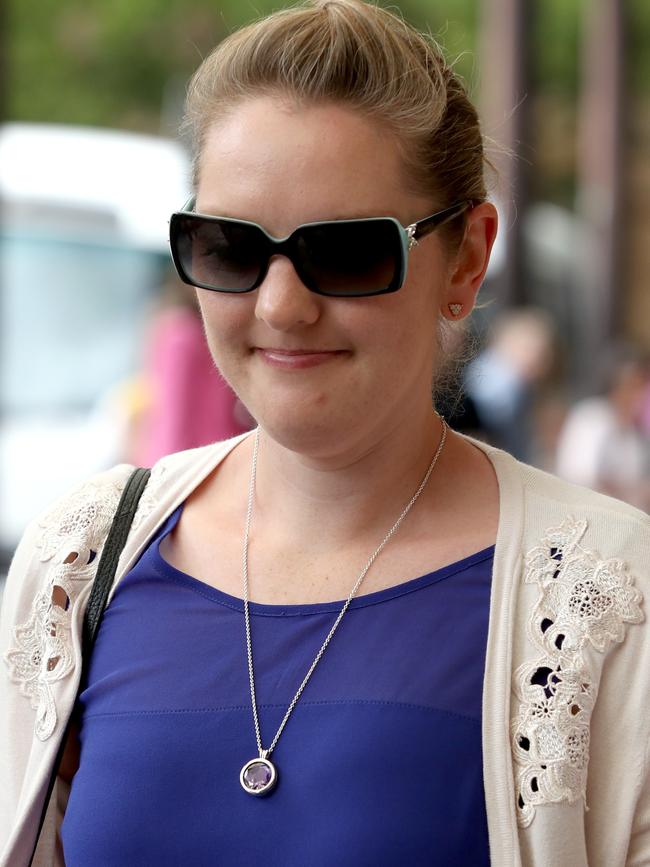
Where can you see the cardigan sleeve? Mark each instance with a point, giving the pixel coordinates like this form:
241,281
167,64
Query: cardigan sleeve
580,720
25,576
617,657
639,851
46,591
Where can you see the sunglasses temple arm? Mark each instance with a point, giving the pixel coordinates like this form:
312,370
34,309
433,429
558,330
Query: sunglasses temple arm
428,224
189,204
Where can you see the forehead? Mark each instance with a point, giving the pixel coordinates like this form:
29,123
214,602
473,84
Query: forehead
281,164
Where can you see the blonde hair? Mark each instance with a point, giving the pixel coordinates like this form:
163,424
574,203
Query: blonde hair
357,54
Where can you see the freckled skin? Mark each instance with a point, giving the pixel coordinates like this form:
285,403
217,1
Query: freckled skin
268,163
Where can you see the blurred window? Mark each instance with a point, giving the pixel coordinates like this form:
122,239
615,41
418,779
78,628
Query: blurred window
73,308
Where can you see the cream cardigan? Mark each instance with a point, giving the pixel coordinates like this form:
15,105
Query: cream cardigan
566,702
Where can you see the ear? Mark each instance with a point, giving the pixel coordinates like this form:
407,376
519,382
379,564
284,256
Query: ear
469,264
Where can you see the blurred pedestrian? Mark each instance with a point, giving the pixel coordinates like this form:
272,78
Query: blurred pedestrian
603,442
187,403
504,379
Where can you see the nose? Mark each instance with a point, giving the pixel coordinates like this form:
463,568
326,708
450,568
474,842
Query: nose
283,301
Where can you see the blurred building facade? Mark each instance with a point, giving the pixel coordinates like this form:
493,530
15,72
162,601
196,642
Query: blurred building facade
588,263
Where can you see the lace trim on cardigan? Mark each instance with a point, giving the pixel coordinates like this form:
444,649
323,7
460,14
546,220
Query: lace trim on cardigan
72,537
583,601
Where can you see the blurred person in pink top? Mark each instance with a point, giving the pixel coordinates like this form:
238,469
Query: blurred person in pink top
185,401
603,443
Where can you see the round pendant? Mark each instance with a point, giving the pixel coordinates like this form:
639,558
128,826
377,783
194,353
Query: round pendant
258,777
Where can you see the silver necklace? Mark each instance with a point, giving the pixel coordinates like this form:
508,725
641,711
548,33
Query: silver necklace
259,776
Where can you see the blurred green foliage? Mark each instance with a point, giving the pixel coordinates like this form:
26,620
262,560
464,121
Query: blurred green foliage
117,63
125,63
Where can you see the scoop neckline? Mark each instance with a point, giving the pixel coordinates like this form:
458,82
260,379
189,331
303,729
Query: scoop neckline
166,569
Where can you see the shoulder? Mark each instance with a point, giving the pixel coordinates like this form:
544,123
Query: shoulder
551,488
576,517
587,554
64,537
68,535
545,500
83,508
59,552
84,513
582,541
583,558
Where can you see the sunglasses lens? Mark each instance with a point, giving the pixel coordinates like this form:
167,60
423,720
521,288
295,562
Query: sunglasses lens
342,258
219,254
350,258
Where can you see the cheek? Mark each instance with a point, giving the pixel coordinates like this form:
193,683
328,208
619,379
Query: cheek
224,318
413,321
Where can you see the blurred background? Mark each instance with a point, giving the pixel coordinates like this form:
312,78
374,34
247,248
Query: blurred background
101,351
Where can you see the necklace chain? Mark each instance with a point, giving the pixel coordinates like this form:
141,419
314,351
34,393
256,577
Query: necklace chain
249,514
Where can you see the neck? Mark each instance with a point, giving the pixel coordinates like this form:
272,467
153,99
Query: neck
341,498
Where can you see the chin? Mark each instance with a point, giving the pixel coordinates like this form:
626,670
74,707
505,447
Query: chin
316,433
298,432
320,419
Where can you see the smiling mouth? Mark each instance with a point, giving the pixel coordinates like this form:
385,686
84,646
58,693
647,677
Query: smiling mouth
293,359
279,351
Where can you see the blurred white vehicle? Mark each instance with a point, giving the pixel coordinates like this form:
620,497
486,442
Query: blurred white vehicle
83,247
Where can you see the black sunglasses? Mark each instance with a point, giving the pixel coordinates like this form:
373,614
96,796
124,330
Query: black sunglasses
343,258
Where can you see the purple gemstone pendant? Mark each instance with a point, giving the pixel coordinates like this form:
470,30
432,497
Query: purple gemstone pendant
258,777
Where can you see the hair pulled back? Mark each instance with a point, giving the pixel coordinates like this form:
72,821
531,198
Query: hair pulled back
357,54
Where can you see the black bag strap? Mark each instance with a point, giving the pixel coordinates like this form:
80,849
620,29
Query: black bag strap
115,542
113,547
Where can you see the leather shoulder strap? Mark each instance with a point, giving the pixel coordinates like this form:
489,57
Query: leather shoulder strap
113,547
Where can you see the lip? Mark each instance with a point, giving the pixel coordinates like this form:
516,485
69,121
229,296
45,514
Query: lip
297,359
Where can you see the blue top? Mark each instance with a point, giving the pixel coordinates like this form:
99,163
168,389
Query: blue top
380,762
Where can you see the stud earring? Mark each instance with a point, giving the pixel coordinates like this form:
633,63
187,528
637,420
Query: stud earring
455,309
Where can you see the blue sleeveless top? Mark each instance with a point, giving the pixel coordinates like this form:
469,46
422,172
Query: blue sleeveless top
380,762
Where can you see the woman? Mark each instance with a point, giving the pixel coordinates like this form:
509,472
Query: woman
417,649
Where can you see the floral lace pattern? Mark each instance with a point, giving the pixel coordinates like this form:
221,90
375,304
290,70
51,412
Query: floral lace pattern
71,539
583,600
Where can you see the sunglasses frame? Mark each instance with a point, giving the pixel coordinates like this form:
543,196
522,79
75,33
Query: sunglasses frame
409,237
